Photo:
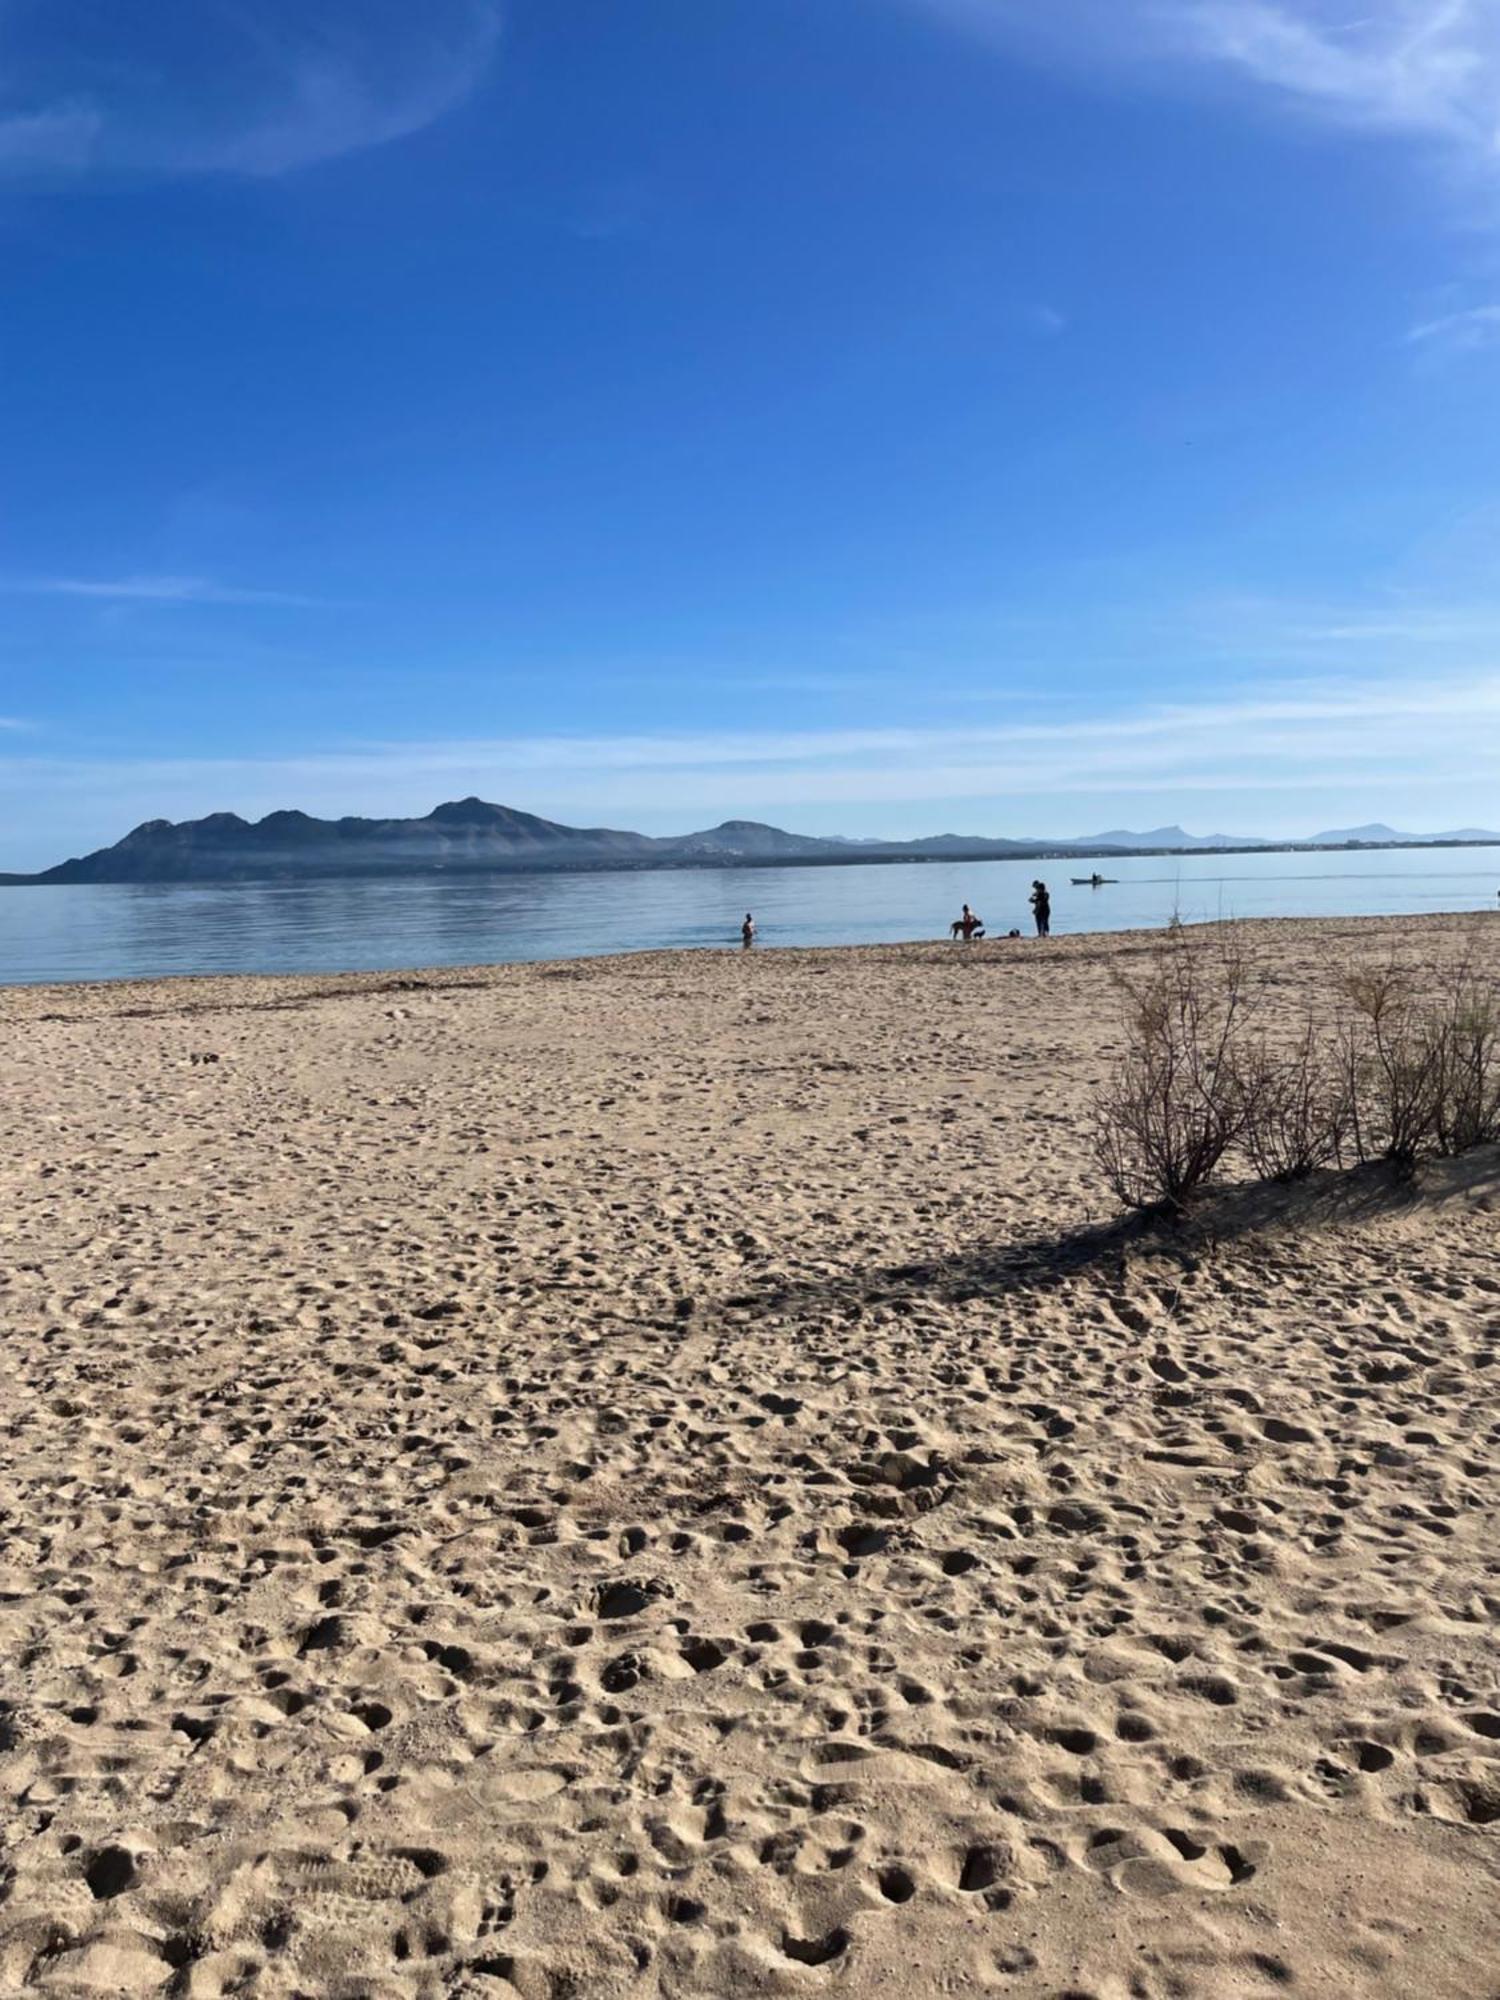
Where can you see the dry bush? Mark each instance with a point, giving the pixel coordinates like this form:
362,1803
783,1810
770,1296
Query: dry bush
1422,1067
1298,1113
1389,1063
1408,1063
1179,1098
1463,1030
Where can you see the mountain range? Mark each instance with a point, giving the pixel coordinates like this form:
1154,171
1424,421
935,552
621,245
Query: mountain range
470,836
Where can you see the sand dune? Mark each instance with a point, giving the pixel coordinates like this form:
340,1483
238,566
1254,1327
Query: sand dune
654,1476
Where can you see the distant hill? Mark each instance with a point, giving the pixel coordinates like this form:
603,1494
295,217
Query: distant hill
742,840
1378,835
466,836
1174,837
960,846
471,836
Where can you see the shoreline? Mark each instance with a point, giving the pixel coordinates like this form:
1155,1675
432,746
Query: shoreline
306,985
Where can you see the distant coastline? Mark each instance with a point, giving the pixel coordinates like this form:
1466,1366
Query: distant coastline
470,837
879,857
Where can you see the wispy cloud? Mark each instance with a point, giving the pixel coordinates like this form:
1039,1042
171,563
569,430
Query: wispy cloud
58,138
1423,634
1412,65
211,87
1043,318
1460,332
148,590
1416,66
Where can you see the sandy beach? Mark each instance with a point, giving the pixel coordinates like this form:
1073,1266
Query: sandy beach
656,1475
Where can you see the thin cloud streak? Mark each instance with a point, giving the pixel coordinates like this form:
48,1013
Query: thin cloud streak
1460,332
59,138
332,110
149,590
309,91
1483,628
1404,65
1348,638
1424,67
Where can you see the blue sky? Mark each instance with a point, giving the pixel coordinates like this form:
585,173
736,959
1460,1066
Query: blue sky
880,416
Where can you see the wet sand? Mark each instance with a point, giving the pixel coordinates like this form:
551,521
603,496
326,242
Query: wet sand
656,1475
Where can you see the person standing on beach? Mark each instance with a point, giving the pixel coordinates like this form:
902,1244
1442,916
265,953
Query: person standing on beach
747,931
1041,906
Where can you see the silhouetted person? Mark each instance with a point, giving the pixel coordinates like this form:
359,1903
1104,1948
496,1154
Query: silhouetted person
1041,909
747,931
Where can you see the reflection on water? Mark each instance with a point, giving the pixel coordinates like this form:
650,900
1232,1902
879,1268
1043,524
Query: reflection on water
136,932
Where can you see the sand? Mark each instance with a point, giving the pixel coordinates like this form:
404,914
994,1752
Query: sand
653,1476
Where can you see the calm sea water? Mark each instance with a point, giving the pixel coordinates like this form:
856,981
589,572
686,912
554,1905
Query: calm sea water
135,932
